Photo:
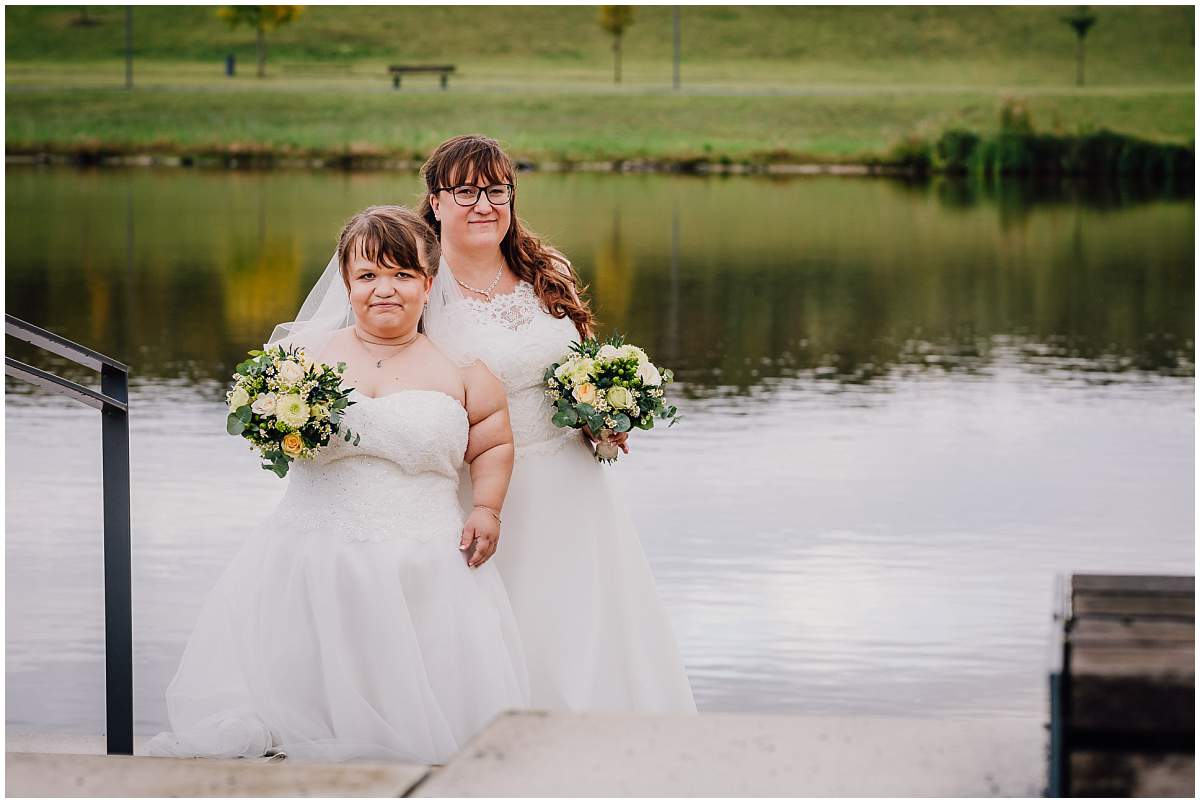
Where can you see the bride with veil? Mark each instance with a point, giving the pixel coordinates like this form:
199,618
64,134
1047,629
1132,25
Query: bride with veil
362,618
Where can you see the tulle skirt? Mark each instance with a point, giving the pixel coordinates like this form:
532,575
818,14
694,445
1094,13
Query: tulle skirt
595,635
332,648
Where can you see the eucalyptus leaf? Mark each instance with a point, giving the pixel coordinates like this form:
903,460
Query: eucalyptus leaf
234,425
623,424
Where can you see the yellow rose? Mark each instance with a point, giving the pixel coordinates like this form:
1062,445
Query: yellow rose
292,444
620,398
585,393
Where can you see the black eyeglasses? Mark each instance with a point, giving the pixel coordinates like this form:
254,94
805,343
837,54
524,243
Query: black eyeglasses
468,194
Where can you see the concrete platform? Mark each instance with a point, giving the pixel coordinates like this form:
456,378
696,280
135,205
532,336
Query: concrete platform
66,775
532,754
536,754
55,763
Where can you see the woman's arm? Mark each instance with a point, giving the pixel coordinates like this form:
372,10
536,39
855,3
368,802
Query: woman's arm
490,458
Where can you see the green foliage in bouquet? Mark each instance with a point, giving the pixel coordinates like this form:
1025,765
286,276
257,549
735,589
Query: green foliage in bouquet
286,406
608,385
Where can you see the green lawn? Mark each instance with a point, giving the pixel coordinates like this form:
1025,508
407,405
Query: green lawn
759,83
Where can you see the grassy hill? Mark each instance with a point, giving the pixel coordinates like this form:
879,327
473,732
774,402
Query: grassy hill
759,83
980,45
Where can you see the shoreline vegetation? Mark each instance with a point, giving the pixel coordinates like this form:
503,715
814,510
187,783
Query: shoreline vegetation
776,90
1018,151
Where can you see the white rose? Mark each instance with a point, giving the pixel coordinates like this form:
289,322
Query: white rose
264,404
607,352
625,352
649,374
239,398
620,398
585,393
291,410
582,370
290,372
564,370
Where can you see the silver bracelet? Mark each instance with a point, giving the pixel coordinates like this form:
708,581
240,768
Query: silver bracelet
495,515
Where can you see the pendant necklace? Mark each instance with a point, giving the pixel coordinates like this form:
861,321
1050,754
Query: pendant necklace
379,362
488,292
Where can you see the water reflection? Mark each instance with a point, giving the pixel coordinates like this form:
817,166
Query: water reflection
911,405
732,281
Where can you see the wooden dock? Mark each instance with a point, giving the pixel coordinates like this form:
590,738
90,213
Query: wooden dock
1123,719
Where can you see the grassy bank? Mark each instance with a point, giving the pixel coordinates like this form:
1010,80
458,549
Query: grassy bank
551,126
760,85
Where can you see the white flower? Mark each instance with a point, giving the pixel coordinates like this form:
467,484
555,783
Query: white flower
564,370
607,352
620,398
627,351
264,404
239,398
582,371
649,374
290,372
291,410
585,393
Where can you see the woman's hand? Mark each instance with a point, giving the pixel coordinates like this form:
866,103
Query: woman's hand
616,438
483,531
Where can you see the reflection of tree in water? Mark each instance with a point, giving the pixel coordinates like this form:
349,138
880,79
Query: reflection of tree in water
613,286
837,281
260,289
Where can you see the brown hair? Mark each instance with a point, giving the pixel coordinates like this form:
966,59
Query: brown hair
388,235
554,280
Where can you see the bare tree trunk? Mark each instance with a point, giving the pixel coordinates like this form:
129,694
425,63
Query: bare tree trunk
1079,61
262,52
616,58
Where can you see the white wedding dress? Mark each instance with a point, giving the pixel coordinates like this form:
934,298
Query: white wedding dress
595,634
349,625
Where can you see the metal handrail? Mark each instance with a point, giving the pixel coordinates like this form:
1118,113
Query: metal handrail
112,400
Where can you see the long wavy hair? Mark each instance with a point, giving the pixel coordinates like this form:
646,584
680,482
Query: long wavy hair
472,157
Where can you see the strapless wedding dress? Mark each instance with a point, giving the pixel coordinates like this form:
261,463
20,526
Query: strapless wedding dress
595,634
349,625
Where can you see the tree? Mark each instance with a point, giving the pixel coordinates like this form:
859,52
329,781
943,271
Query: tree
262,19
1080,22
615,19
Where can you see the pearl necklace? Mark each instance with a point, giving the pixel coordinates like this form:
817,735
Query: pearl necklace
488,292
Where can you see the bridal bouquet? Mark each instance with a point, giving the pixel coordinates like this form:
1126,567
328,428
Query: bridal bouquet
287,406
608,387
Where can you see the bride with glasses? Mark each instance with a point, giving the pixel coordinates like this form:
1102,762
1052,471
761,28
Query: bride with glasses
595,635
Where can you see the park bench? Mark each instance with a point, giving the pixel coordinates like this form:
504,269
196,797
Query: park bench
398,70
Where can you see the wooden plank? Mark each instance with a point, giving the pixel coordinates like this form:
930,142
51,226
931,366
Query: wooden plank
1143,631
1167,663
1164,605
1104,774
1134,583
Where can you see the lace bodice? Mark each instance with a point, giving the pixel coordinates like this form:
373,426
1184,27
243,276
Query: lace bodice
518,340
400,481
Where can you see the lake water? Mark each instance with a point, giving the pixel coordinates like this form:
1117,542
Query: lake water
907,408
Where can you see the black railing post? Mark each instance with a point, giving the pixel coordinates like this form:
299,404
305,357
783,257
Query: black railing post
112,400
118,582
